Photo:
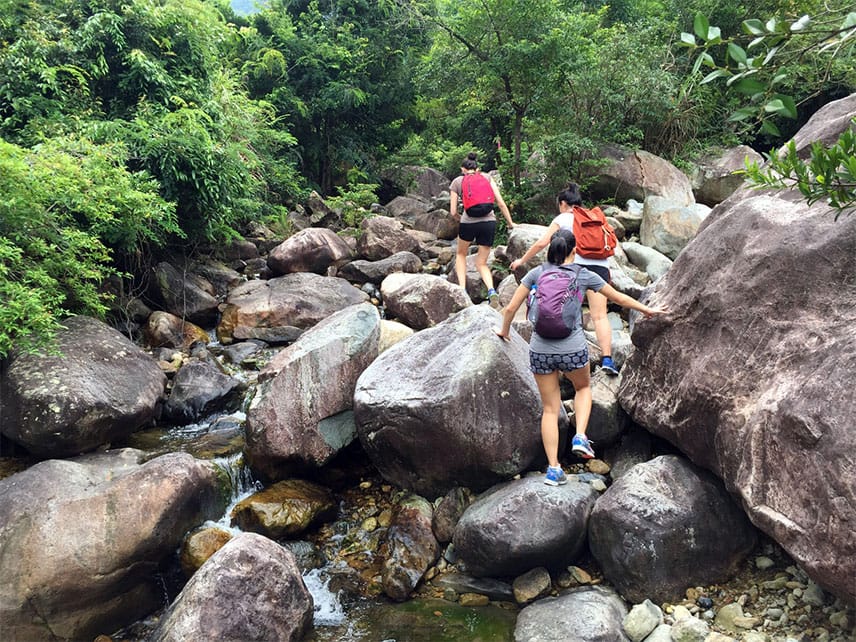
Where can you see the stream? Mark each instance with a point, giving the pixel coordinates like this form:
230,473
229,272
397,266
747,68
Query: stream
344,608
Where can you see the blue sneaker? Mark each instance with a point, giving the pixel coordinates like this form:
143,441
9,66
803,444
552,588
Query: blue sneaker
581,446
555,476
608,366
493,298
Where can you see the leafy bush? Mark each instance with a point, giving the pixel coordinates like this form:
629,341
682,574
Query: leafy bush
65,208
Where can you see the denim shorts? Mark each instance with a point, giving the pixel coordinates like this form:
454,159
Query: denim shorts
540,363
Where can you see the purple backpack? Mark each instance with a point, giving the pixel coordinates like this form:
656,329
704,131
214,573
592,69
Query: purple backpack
556,301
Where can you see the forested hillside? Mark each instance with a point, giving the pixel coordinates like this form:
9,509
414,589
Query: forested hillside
129,127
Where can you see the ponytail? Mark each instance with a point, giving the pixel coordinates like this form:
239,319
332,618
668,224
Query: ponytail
561,246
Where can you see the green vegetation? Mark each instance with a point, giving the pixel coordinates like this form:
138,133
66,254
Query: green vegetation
130,128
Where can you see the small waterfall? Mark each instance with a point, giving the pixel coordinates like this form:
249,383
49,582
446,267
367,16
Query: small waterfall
328,608
241,485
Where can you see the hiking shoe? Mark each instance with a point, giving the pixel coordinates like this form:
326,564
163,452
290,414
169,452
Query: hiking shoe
493,299
581,446
608,366
555,476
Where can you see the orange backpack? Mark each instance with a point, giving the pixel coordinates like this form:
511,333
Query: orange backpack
595,237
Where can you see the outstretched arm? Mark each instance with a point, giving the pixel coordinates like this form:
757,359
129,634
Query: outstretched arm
626,301
537,246
453,204
501,203
517,300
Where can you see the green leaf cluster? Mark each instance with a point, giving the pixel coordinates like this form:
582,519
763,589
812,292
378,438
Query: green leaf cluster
66,206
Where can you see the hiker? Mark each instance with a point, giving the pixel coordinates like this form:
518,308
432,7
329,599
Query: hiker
479,193
568,355
566,199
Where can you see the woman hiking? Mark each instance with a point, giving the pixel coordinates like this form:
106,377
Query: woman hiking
479,193
548,357
567,198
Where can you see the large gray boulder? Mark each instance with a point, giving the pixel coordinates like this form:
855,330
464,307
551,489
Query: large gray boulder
636,175
666,525
753,380
81,541
314,249
250,589
383,236
185,294
717,175
64,403
291,422
422,300
524,524
450,406
277,310
586,614
668,227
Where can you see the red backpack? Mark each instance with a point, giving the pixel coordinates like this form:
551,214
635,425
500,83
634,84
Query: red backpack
477,194
595,237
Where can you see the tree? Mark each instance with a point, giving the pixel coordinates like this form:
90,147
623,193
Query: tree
497,59
760,64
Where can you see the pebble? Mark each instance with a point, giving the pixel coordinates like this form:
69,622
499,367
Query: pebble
762,563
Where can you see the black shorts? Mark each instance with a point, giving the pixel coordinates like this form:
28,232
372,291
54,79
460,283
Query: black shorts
482,232
602,272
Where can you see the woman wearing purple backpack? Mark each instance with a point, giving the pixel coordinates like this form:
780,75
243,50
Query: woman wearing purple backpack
568,355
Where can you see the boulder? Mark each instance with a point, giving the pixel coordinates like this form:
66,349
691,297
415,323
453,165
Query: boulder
590,613
294,418
647,259
826,125
408,208
362,271
83,540
637,175
753,381
422,182
285,509
383,236
409,549
169,331
185,294
199,388
668,227
437,222
666,525
314,249
450,406
524,524
716,178
64,403
250,589
421,300
279,309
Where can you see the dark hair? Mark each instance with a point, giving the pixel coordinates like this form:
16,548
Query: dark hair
561,246
470,161
571,195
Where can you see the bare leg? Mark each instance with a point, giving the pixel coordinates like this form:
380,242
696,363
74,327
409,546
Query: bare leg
551,399
461,249
581,380
481,266
602,330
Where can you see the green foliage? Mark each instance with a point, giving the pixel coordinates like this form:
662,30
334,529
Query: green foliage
829,174
770,56
765,65
65,207
354,201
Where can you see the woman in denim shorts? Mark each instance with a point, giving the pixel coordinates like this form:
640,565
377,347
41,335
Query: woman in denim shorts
568,356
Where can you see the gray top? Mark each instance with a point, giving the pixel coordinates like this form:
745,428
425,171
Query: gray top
576,340
457,187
